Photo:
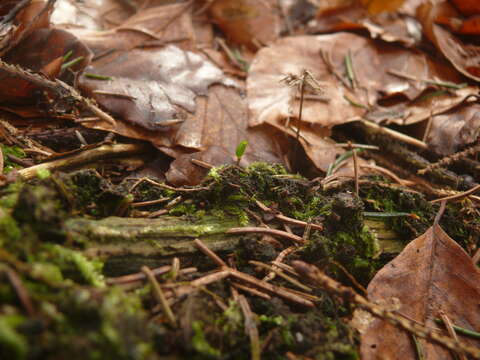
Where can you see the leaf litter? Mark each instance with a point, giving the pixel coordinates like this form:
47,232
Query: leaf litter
340,108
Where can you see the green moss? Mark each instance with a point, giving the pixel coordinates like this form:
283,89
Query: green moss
200,343
74,265
8,228
9,195
16,151
13,345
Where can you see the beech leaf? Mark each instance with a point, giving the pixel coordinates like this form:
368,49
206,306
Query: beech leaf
432,274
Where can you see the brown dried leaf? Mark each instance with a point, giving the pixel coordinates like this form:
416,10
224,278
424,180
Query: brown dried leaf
219,125
155,26
152,88
461,54
391,21
274,103
247,22
432,274
34,16
452,130
39,53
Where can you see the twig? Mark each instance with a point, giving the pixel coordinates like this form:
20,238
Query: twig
125,279
158,293
250,328
252,291
458,196
282,292
20,290
388,173
318,277
150,202
260,230
396,135
202,164
287,219
350,277
448,160
451,331
168,187
281,274
174,272
279,259
216,259
84,157
355,169
201,282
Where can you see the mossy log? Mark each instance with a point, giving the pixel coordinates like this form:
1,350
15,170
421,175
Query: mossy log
164,236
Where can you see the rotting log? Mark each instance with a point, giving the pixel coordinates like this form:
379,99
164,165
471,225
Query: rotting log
115,238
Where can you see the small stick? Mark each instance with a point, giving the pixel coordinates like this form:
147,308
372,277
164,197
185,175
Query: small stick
84,157
202,164
198,283
285,267
158,293
20,289
458,196
168,187
396,135
355,168
125,279
260,230
285,293
388,173
350,277
80,138
281,274
300,109
451,331
216,259
250,328
286,218
150,202
157,213
252,291
175,268
280,257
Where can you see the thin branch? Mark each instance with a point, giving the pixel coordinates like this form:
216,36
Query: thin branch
204,249
250,328
158,293
260,230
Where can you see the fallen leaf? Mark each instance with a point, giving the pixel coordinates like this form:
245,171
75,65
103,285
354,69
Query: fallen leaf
150,27
461,53
451,131
432,274
13,30
272,102
467,7
152,88
391,21
247,22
